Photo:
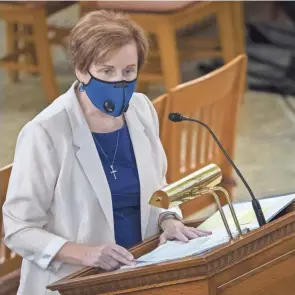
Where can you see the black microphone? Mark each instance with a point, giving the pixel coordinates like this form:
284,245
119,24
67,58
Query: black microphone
176,117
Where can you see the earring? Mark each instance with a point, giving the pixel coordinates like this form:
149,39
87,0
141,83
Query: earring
81,88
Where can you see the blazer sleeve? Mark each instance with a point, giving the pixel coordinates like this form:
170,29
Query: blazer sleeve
163,157
29,198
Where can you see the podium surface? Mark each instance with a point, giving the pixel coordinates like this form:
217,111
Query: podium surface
261,262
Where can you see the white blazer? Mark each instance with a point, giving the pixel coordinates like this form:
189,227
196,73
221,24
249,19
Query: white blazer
58,190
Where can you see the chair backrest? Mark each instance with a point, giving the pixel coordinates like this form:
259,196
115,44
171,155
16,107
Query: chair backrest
160,105
213,99
9,261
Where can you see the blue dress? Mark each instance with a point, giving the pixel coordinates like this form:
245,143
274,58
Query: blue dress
125,189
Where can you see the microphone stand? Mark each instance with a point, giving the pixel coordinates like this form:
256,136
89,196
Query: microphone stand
175,117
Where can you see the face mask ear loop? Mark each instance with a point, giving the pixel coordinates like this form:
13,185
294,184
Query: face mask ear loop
81,85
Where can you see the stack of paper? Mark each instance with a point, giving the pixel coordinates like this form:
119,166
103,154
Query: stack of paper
175,249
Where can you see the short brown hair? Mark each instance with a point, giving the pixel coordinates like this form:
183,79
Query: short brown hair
100,33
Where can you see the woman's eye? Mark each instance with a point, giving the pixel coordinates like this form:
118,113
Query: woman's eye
129,71
107,71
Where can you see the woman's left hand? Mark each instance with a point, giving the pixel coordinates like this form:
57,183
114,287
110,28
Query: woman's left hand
175,230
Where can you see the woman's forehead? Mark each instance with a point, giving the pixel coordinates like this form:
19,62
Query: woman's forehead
123,57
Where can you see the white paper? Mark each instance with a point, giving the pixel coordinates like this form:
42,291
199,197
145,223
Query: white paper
245,213
172,250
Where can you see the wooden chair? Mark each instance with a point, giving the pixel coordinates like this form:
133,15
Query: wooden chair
163,19
213,99
10,263
28,39
160,106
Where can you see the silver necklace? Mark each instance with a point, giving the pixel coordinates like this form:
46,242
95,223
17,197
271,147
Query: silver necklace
113,171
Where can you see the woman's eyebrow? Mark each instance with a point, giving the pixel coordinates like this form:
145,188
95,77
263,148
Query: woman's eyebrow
132,65
110,66
106,66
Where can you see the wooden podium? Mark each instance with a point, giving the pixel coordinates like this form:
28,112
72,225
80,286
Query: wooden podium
262,262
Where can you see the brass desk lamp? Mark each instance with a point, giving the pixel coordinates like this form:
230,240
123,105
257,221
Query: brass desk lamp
200,182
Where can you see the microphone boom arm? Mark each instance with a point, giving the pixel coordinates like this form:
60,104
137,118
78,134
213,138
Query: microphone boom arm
256,205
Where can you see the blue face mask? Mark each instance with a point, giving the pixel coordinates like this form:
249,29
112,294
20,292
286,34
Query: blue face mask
111,98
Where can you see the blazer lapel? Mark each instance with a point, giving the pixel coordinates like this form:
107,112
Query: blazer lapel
92,166
142,151
88,157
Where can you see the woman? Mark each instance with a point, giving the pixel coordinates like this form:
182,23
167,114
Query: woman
86,166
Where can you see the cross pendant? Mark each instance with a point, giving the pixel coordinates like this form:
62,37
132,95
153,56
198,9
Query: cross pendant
113,172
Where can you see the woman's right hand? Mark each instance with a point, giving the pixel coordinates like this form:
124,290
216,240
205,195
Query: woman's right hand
108,257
